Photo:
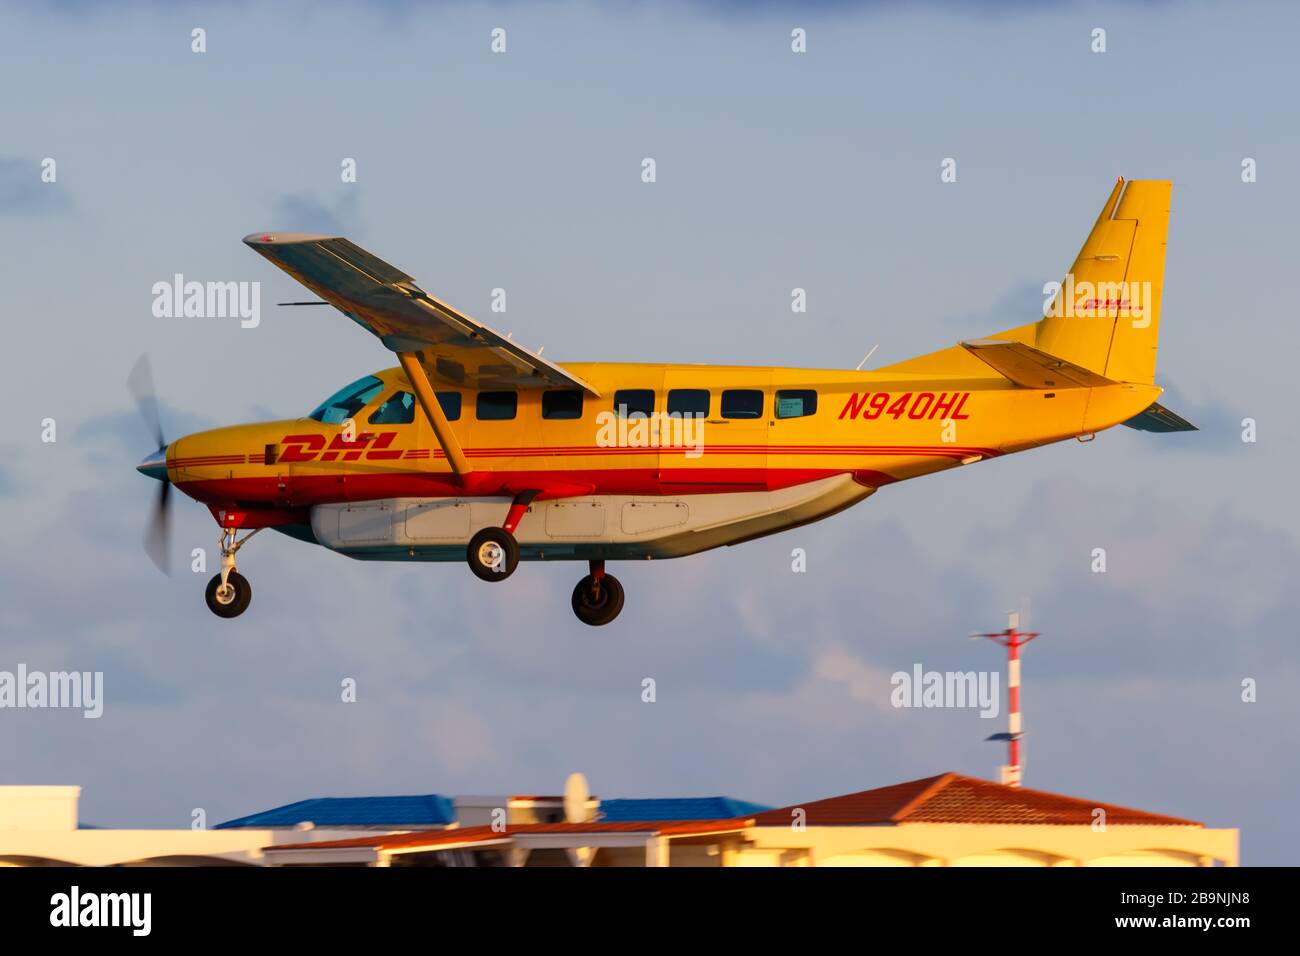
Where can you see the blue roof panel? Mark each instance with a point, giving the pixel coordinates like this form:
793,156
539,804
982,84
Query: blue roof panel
436,810
418,811
677,808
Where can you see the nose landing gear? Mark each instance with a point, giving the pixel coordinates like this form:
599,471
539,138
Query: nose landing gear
229,593
598,598
231,598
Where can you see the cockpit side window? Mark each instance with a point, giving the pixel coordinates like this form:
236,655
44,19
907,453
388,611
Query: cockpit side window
397,409
346,402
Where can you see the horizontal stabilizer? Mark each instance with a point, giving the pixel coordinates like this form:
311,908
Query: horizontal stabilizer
1028,367
1157,418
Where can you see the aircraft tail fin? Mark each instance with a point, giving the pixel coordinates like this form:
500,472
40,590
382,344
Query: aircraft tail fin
1107,315
1105,319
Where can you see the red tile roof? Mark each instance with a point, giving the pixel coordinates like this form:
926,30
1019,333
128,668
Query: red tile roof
953,798
486,834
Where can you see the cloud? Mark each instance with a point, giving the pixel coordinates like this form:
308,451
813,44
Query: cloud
1020,304
1219,423
749,9
23,193
300,212
125,429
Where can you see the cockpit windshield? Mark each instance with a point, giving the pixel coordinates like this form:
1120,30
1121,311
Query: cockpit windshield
346,402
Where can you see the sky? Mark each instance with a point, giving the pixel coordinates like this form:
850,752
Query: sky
775,170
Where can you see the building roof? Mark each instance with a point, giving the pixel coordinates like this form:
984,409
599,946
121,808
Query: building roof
946,798
428,810
678,808
954,798
486,834
434,810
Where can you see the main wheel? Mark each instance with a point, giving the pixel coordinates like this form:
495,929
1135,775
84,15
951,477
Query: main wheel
233,599
598,602
493,554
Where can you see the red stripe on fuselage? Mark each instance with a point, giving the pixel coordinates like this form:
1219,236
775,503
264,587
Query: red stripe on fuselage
924,451
305,490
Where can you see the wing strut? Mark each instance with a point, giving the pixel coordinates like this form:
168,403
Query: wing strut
429,402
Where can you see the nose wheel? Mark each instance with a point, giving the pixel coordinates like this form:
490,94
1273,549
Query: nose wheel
229,593
598,598
231,597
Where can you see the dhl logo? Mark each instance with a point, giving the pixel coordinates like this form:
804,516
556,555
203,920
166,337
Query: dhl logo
916,405
298,448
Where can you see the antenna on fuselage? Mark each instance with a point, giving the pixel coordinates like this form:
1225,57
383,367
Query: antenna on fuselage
867,356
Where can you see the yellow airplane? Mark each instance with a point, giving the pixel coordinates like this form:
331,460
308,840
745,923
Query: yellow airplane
476,449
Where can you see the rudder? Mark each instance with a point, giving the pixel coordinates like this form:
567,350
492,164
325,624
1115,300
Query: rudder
1106,316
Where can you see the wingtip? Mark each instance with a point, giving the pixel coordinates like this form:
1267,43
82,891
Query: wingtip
281,238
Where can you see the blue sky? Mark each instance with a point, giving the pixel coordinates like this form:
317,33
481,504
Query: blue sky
775,170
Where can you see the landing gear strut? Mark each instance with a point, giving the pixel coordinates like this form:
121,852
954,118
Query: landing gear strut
493,553
229,593
598,597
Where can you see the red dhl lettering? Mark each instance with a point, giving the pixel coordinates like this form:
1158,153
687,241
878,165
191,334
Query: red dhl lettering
299,448
915,405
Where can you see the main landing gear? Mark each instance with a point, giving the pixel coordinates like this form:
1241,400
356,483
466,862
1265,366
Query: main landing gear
229,593
598,597
493,555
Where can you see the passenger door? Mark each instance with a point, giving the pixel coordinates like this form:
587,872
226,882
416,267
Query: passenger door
727,447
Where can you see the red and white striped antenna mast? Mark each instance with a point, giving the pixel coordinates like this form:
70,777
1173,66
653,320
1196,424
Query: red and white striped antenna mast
1012,639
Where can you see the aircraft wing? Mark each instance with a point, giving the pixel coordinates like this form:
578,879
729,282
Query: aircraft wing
453,347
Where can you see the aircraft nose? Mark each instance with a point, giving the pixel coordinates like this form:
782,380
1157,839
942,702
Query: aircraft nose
155,465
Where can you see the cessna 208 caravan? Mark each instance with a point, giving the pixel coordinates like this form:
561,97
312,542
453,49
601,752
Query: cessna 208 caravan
476,449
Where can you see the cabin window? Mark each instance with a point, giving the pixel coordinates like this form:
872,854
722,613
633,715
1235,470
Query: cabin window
450,402
346,402
397,409
796,403
634,402
562,404
688,401
742,403
496,406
